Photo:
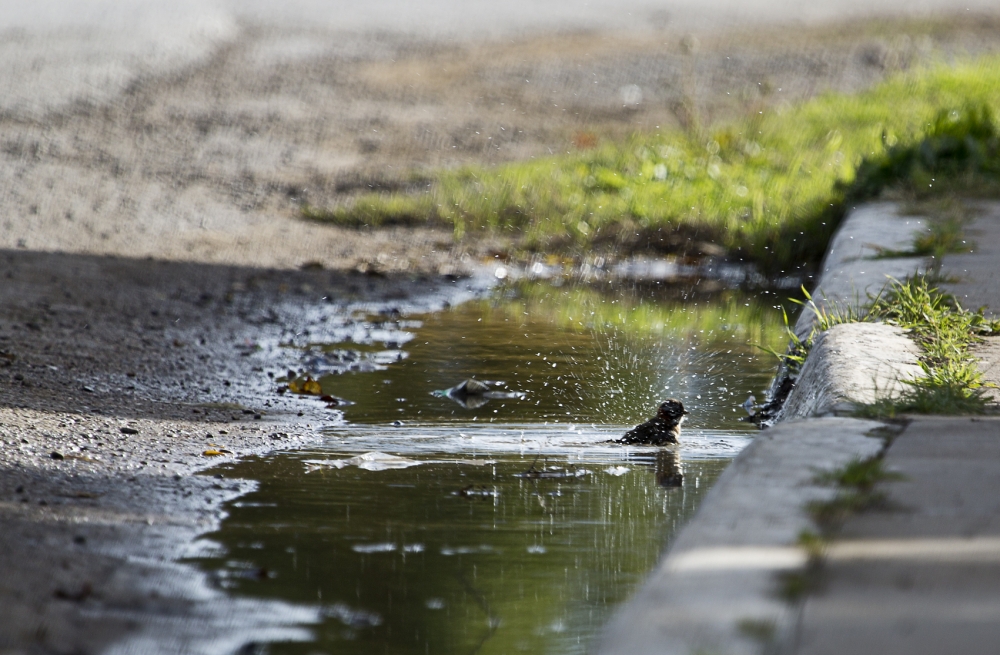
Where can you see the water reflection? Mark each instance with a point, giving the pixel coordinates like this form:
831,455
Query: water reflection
669,472
474,500
467,557
553,355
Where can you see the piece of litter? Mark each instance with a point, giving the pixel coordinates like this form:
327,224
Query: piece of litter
617,470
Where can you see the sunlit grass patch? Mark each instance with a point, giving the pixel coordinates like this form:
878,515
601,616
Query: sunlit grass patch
952,382
769,189
945,331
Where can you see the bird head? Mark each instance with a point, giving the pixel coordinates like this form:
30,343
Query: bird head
671,409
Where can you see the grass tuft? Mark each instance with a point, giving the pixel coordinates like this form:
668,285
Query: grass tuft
945,331
952,382
856,482
858,474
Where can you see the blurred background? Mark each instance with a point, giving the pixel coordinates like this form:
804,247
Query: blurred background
198,130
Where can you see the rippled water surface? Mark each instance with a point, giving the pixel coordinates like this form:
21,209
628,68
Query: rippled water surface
428,525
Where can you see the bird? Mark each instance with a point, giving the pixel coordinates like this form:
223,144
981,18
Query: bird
664,428
750,404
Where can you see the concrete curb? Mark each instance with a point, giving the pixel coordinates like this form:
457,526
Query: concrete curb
716,589
852,364
719,580
850,272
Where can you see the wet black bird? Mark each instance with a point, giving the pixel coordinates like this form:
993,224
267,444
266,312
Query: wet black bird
664,428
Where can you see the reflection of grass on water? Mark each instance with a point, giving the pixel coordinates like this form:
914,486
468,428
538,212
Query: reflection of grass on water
728,316
769,188
698,349
546,560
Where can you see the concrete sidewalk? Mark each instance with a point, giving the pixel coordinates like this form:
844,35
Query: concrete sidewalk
923,575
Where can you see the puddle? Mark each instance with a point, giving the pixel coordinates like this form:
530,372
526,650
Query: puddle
451,557
429,524
559,355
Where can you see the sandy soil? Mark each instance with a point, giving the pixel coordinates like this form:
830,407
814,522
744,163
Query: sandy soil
150,242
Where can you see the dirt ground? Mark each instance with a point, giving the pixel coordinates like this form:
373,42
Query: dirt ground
152,259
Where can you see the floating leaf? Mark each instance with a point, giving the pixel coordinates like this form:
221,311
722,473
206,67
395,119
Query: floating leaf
307,386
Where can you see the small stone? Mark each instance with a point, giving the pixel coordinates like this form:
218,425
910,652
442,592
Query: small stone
128,430
55,454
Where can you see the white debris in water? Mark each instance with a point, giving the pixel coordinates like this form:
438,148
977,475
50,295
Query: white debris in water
373,461
434,603
448,551
617,470
413,548
374,548
353,618
536,550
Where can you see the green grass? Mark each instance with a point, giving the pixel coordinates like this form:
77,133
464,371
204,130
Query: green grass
945,331
769,189
825,316
855,482
952,382
858,474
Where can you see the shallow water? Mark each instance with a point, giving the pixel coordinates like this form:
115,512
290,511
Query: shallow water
579,356
423,525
